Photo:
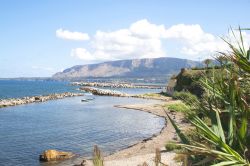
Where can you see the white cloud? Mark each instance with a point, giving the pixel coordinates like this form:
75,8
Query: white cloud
82,53
143,39
194,40
65,34
145,29
125,44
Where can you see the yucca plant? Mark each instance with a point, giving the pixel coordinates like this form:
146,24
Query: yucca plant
225,137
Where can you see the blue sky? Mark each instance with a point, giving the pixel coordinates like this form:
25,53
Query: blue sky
39,38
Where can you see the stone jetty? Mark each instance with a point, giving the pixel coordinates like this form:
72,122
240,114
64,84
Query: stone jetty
104,92
108,92
116,85
26,100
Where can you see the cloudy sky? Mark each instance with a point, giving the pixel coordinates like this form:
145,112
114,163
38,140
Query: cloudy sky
39,38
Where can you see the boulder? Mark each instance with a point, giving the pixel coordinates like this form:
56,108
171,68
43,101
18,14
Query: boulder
54,155
37,98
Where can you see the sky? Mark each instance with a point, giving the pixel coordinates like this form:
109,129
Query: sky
40,38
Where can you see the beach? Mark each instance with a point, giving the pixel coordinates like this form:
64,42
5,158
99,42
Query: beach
144,151
140,110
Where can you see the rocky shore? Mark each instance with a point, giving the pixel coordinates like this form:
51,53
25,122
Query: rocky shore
26,100
116,85
108,92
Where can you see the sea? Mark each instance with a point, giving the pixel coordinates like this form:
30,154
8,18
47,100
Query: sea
68,124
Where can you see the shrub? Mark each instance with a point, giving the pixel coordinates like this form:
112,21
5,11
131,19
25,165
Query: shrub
170,146
187,97
223,128
178,107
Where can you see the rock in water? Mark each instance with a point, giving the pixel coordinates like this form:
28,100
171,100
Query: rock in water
53,155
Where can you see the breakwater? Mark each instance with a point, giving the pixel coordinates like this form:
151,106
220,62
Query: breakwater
33,99
115,85
104,92
108,92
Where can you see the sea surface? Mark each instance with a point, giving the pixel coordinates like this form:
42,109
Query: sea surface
68,124
16,89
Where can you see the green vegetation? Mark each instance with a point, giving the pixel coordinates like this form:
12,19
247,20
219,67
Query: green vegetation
152,95
207,62
170,146
178,107
185,96
187,80
221,116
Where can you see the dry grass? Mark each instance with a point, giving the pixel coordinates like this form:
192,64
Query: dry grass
97,157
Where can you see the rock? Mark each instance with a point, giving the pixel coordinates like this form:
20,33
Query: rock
37,98
104,92
54,155
26,100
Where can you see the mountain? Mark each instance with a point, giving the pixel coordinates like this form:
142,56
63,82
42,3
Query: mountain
150,67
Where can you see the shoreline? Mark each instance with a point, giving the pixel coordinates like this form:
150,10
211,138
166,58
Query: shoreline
144,150
36,99
135,154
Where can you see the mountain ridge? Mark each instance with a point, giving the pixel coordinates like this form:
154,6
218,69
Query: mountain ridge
146,67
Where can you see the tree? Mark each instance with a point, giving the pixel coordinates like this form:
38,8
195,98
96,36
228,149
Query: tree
207,62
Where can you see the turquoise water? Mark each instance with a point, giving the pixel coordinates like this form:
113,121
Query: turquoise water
71,125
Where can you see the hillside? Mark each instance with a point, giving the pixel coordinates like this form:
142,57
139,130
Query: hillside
157,67
187,79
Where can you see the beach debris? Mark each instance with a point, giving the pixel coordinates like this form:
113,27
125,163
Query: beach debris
157,157
83,163
87,100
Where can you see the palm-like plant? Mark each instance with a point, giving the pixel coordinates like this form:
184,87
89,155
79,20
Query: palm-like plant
225,139
222,60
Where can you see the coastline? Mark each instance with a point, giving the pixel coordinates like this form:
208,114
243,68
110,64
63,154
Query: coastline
36,99
136,154
115,93
143,151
